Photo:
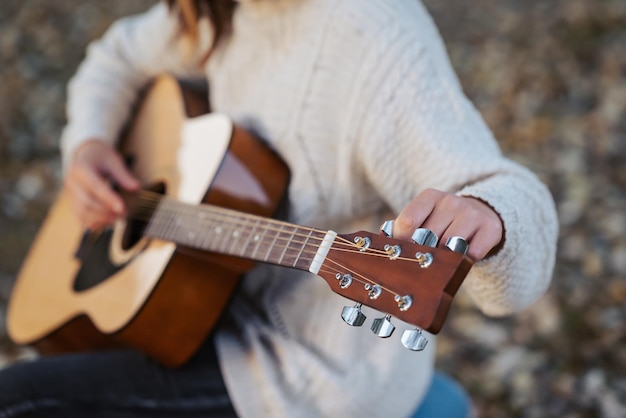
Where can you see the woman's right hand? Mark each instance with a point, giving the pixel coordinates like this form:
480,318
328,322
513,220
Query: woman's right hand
95,167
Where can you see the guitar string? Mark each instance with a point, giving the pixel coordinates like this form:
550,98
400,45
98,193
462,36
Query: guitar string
230,218
149,205
355,275
225,219
340,268
348,245
262,224
225,222
308,259
219,214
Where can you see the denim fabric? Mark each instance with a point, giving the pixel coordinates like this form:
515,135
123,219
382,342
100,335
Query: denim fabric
445,399
126,384
116,384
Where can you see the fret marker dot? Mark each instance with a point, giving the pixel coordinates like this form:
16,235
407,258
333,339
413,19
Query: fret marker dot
257,237
218,230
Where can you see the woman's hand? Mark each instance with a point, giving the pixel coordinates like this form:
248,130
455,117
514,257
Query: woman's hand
449,215
95,167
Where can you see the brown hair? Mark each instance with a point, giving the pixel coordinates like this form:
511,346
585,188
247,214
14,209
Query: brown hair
219,13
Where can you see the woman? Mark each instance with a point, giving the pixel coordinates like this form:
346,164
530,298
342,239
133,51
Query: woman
360,100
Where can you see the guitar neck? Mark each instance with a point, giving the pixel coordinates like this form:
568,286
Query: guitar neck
224,231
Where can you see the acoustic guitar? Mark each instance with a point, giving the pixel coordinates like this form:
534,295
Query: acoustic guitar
160,279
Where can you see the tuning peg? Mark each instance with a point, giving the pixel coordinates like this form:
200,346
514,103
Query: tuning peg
425,236
457,244
383,327
414,340
387,228
352,315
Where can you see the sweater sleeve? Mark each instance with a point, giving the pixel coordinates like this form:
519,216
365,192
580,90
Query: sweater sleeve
134,50
420,131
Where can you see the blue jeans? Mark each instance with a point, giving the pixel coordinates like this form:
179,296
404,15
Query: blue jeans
126,384
445,399
116,384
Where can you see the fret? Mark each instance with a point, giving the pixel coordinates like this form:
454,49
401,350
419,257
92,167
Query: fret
176,230
237,235
271,246
196,225
188,231
287,245
318,242
206,225
174,221
216,234
259,241
304,244
251,232
297,247
163,226
157,225
182,231
190,227
224,230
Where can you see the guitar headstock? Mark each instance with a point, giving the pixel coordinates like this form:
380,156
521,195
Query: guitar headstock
412,282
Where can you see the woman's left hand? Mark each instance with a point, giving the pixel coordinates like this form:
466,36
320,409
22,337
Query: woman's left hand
449,215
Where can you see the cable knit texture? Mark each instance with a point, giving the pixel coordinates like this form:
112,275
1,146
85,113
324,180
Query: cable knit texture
360,100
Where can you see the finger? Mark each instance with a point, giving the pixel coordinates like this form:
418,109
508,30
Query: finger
453,216
96,222
447,212
415,213
486,238
89,211
100,191
482,233
460,227
468,216
119,173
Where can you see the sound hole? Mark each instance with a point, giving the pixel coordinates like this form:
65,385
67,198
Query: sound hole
93,251
140,209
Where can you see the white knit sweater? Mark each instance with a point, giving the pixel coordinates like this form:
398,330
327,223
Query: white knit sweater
361,102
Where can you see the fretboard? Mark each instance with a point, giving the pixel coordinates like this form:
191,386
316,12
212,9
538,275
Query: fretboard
229,232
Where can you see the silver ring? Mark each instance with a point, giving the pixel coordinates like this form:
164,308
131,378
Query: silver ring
425,237
457,244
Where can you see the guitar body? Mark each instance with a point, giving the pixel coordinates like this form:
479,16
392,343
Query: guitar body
80,291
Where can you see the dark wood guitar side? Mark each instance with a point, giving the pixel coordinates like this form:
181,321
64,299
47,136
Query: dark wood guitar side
184,302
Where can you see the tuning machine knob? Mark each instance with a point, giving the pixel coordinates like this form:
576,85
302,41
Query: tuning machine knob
387,228
425,236
457,244
353,316
383,327
414,339
428,238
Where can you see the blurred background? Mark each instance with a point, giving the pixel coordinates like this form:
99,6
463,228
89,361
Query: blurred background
549,77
